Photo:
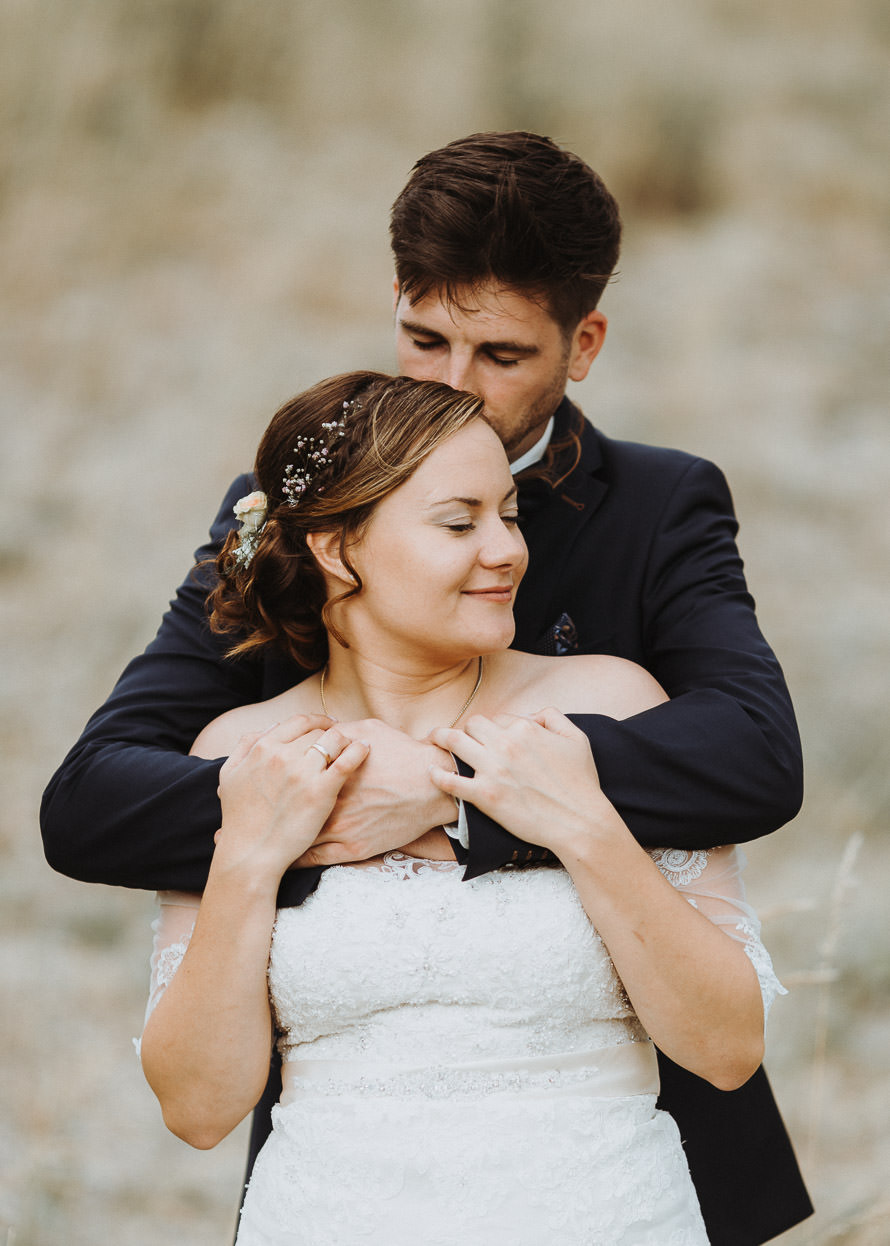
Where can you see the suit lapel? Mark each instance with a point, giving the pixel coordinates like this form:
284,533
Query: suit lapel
554,518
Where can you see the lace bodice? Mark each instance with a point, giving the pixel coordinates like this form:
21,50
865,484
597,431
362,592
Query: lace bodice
418,935
468,958
461,1062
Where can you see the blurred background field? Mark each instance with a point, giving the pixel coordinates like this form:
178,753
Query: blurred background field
193,208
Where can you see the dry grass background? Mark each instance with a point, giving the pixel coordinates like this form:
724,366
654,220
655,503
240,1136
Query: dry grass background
193,206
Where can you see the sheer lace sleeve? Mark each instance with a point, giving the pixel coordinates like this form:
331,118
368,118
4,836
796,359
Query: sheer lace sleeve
712,882
172,930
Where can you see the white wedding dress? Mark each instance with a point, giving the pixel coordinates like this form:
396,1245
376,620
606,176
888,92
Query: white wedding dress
462,1065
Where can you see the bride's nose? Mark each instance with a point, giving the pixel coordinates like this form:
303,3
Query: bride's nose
503,546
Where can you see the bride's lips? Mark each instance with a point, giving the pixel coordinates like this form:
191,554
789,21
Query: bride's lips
496,593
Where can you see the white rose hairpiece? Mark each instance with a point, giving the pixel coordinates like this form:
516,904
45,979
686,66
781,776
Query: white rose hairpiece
250,511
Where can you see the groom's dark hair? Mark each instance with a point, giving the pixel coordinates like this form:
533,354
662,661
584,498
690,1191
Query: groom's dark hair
512,208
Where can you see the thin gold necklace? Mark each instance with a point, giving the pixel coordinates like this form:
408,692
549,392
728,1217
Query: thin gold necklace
463,708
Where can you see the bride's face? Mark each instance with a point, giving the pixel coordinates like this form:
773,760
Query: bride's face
442,556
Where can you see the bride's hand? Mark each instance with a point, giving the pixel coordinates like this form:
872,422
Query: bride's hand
276,791
535,776
389,803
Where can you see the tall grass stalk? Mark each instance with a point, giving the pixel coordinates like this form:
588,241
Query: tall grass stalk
825,975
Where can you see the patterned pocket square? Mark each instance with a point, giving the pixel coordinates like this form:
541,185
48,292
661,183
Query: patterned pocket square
561,638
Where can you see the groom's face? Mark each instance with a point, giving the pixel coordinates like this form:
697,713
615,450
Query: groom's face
500,345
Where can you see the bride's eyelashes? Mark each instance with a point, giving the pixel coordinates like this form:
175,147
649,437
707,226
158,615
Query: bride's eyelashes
467,525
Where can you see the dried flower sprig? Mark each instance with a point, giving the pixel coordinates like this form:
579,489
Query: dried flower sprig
314,456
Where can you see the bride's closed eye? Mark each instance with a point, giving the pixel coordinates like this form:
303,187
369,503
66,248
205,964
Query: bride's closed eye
467,525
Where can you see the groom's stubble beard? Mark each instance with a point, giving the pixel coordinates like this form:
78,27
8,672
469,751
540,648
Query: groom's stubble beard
520,433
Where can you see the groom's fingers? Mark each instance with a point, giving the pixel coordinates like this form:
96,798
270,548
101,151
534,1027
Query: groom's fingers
454,784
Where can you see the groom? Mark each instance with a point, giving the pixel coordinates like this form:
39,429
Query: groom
503,245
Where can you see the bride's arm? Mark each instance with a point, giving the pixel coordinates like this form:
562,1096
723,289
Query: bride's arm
205,1049
693,988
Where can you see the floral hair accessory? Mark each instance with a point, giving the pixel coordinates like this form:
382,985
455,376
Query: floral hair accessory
250,511
314,456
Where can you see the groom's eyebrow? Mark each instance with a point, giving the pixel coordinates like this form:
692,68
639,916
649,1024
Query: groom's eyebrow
414,326
524,349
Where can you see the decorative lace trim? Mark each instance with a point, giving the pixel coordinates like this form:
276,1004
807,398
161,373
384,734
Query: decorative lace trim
442,1083
770,986
680,866
163,973
400,865
168,963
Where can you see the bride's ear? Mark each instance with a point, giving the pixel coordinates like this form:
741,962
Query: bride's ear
325,549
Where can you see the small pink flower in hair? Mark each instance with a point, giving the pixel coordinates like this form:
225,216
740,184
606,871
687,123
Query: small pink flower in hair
250,511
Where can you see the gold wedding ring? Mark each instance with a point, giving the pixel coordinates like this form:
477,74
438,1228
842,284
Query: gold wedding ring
325,754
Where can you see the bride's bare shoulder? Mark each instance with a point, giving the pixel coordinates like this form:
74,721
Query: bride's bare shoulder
577,684
222,734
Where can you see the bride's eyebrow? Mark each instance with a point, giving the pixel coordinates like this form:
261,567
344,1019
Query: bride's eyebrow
508,496
448,501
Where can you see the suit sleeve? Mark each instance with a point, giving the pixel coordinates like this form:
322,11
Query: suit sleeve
128,806
721,762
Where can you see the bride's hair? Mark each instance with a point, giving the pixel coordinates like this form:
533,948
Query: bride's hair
325,461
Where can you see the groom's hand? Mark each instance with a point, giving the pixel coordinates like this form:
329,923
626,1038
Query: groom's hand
389,802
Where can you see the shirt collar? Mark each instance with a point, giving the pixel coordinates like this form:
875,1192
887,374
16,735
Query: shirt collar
536,453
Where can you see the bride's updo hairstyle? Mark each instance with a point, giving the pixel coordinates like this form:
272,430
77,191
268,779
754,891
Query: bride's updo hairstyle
325,461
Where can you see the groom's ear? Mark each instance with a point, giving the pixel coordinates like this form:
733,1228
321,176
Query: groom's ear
325,549
586,344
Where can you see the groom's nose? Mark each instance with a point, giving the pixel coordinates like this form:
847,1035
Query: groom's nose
457,370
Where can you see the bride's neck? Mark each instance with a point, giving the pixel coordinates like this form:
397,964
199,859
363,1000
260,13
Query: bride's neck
413,700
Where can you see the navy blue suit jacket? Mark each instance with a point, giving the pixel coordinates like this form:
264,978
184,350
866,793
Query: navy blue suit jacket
636,545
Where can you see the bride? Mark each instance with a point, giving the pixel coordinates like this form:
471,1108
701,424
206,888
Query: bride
463,1062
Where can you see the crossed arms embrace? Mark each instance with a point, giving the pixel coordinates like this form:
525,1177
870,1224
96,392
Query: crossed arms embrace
720,762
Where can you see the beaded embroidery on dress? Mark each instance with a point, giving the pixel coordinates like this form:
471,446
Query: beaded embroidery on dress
462,1066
